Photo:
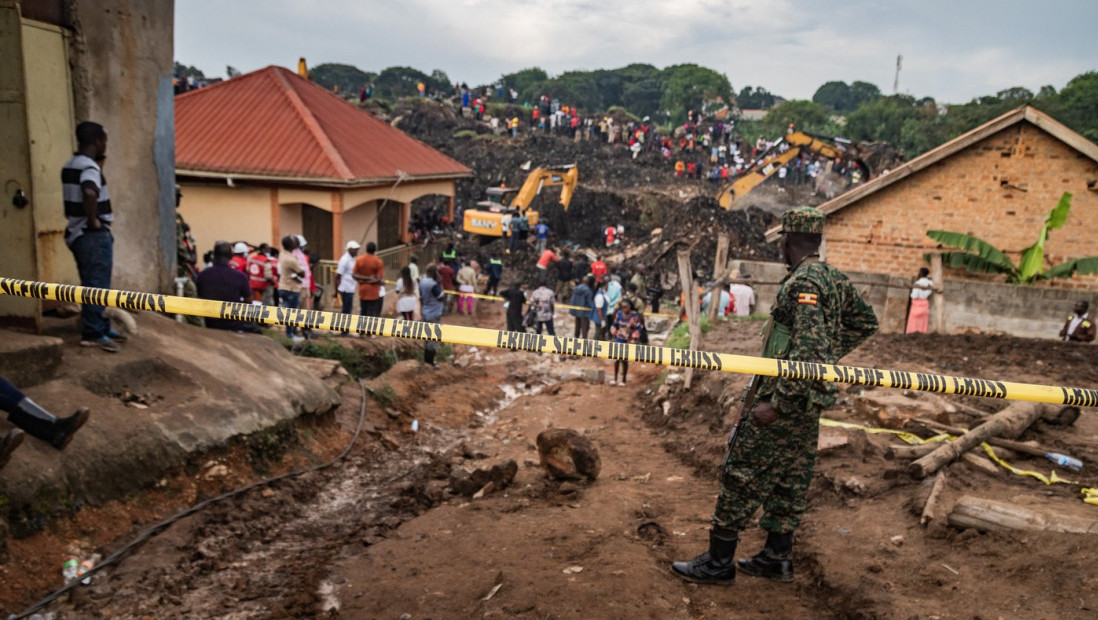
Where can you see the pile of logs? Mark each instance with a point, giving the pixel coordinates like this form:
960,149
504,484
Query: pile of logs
999,430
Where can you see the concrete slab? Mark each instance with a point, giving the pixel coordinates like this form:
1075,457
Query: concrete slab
174,391
28,359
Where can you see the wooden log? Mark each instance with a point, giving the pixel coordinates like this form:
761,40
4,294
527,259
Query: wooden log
986,514
930,509
937,300
982,463
690,303
720,265
1009,422
999,442
911,452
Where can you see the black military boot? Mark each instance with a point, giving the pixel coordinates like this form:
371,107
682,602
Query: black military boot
775,561
715,566
42,424
8,444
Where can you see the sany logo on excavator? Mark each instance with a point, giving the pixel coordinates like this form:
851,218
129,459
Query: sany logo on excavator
479,223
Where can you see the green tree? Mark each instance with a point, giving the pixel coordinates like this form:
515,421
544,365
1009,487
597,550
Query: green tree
804,115
863,92
349,78
1018,94
397,82
884,119
687,86
183,70
836,95
1077,105
527,80
231,71
979,256
755,98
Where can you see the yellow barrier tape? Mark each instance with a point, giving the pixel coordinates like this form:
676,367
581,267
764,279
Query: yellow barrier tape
910,438
1090,496
1052,478
537,343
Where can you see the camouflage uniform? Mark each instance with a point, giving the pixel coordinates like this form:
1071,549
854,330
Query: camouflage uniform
186,261
818,317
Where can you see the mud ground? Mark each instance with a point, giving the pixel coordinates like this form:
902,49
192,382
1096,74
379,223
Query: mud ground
383,535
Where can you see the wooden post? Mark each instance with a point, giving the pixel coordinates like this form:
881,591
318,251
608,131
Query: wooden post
690,305
986,514
720,266
937,300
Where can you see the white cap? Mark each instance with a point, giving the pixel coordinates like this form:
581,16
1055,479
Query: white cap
353,245
301,241
240,248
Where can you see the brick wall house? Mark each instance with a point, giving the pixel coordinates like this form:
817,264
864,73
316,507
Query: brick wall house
995,182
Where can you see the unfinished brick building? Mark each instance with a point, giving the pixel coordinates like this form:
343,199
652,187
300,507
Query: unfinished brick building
996,182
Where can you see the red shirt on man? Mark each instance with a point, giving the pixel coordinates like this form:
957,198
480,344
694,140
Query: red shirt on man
598,269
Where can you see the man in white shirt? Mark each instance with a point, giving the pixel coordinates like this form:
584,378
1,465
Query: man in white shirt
742,294
346,287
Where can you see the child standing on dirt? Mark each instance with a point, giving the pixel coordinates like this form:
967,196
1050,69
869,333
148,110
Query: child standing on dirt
626,330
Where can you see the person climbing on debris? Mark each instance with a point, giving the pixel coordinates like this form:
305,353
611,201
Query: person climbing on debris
818,316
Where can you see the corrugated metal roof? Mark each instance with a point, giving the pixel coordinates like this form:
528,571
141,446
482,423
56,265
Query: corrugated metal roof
272,122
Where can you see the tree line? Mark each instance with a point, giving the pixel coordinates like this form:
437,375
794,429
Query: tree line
858,111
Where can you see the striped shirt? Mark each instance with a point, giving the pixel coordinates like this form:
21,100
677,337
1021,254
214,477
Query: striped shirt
79,172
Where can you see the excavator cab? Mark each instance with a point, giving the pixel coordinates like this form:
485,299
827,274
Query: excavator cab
487,218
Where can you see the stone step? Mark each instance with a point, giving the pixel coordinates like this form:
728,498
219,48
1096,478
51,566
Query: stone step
29,359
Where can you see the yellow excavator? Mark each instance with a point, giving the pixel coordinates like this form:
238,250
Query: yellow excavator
798,142
487,218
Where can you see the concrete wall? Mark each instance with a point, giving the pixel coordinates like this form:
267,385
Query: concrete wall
998,189
991,307
122,74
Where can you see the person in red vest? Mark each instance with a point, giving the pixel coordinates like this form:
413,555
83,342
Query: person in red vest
598,269
239,261
611,235
261,276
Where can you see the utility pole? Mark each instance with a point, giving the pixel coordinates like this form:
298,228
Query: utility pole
896,82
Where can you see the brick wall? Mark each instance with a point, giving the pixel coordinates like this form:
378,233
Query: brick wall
991,307
998,189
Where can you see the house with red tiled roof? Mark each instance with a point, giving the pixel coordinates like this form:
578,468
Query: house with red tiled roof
270,153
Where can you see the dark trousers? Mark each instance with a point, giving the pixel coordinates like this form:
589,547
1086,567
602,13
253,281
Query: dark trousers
514,323
430,348
348,300
94,254
9,395
583,326
493,286
289,299
548,327
371,307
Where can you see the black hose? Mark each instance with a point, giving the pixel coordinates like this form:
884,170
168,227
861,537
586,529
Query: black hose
159,527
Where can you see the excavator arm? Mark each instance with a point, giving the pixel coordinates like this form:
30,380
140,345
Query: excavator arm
798,142
565,176
487,220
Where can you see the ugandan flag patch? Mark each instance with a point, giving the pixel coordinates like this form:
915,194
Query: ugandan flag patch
808,299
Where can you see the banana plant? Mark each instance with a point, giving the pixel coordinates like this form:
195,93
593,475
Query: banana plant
979,256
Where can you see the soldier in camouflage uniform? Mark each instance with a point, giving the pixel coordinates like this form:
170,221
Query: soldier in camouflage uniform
818,317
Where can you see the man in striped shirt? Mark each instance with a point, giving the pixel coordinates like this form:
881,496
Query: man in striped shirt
88,233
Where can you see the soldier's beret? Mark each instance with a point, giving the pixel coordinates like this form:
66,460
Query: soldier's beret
803,220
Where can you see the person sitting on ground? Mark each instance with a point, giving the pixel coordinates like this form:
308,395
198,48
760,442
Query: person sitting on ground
221,282
29,417
625,329
1079,327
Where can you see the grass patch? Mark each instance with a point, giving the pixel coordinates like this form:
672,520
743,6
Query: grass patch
359,363
464,134
680,335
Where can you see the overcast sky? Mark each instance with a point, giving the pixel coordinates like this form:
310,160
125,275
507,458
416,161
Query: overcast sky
952,50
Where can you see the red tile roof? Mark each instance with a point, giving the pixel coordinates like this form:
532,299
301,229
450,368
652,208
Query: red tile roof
274,123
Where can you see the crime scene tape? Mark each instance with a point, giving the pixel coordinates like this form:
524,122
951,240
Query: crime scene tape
557,345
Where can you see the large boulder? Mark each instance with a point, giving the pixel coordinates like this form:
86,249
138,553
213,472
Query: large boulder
567,455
